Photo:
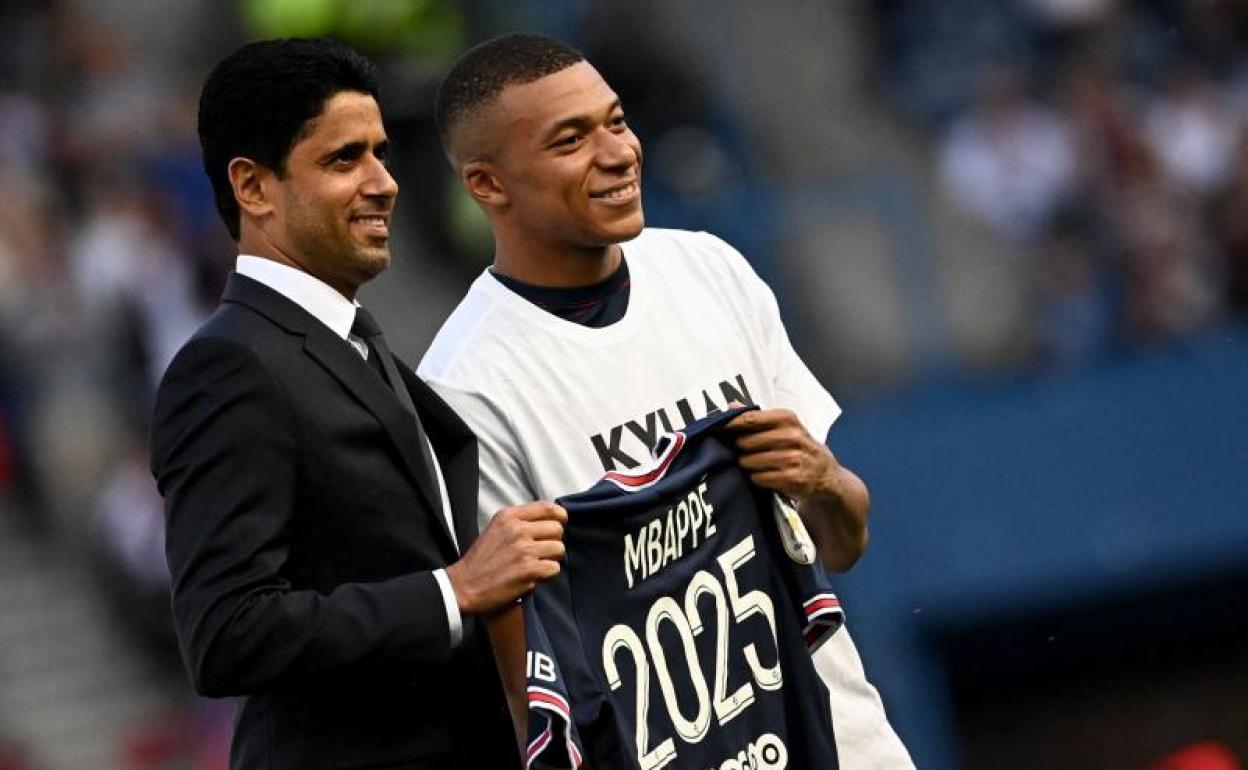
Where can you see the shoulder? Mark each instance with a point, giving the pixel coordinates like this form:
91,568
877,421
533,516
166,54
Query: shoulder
695,243
696,265
221,377
695,251
472,339
232,333
236,349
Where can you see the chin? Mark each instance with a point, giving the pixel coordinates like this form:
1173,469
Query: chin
633,228
625,229
373,260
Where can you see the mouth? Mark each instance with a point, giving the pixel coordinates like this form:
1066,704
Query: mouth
621,194
376,226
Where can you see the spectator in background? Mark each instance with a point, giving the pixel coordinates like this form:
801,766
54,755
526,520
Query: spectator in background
128,539
1191,131
1165,257
39,319
1232,227
130,274
1072,311
1010,160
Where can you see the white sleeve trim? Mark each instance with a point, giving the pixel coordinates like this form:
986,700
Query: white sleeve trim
453,619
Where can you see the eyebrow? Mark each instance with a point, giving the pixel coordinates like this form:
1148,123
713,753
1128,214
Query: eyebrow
578,121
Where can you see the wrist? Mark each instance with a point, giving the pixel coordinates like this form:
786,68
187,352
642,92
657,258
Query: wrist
828,486
463,595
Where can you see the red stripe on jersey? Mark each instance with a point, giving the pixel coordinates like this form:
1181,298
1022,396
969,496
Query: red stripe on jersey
544,696
821,604
626,480
537,745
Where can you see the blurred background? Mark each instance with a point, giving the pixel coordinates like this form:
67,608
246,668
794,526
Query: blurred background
1010,235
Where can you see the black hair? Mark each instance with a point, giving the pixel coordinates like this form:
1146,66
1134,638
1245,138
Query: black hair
256,104
485,70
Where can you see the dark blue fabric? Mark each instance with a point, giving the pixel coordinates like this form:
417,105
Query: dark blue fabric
595,306
668,602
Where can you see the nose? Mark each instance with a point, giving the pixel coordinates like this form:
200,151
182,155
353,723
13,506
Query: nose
618,150
379,182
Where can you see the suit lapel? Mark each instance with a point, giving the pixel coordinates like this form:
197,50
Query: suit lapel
337,357
457,453
352,371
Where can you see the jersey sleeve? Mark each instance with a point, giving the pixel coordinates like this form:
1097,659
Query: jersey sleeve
821,610
814,602
793,384
553,741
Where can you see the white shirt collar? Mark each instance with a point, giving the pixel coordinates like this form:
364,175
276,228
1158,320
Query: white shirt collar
313,295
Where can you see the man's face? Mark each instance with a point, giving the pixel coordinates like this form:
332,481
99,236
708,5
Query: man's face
333,207
568,162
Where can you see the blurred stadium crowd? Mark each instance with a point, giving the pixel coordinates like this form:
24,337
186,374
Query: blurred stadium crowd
1102,143
1106,139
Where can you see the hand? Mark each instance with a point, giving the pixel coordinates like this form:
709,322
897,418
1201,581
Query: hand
779,454
521,546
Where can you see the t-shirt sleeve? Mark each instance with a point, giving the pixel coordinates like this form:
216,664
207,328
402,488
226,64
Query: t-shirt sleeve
793,384
502,474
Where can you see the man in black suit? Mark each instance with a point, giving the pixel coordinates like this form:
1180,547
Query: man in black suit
322,537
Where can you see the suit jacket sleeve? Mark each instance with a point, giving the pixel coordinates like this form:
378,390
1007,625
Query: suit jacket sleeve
224,456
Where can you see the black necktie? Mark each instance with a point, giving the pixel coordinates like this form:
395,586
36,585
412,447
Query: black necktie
366,328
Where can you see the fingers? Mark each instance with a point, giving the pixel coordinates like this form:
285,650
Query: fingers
547,550
762,420
785,459
771,461
541,510
520,547
532,521
776,439
543,530
780,481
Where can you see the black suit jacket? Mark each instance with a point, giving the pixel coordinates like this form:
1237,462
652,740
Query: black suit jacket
302,534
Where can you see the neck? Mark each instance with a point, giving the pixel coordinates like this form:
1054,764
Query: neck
578,267
266,249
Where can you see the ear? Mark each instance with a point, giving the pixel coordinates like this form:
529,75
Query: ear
253,187
483,184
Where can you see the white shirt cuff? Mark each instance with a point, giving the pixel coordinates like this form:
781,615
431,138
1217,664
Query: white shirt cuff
453,619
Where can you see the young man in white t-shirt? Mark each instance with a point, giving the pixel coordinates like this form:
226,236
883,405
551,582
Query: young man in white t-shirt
590,336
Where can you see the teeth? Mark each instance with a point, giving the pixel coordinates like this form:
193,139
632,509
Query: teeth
622,192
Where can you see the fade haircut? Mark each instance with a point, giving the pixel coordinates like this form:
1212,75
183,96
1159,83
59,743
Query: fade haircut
482,73
258,101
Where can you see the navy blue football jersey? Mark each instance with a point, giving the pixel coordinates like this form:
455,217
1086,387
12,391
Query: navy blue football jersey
678,634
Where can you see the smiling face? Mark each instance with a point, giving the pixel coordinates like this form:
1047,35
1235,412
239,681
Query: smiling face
561,176
329,214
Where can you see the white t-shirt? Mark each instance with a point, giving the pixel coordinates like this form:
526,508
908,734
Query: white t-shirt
555,404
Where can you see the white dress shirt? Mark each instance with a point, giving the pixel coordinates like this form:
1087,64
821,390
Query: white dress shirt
338,313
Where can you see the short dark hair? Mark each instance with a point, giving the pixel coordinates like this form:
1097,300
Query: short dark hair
485,70
256,104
